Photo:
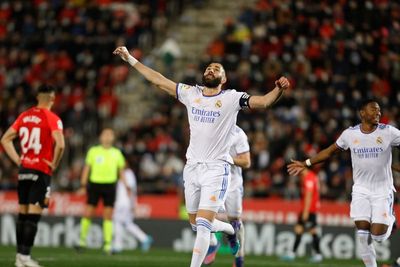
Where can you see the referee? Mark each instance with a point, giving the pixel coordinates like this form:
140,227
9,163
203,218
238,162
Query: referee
103,164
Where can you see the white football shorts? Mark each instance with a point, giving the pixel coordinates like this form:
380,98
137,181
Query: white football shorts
234,200
205,185
372,208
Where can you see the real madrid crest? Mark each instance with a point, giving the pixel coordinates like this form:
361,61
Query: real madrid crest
218,104
379,140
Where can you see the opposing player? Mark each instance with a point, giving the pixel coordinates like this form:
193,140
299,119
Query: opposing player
104,164
212,116
370,145
42,145
124,213
240,152
307,220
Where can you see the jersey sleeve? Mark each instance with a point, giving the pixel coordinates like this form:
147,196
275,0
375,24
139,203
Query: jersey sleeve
309,184
121,160
55,123
242,144
395,133
90,157
183,91
240,100
17,123
342,140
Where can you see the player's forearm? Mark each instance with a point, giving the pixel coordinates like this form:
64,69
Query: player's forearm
58,153
265,101
11,152
242,162
85,175
322,155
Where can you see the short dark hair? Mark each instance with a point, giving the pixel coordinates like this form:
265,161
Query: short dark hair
365,102
46,89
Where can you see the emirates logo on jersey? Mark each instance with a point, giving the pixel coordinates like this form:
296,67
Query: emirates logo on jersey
379,140
218,104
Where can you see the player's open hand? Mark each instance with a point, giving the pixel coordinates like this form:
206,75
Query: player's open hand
123,52
295,167
50,164
283,83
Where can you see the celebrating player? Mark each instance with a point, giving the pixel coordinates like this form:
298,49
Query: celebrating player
370,145
212,114
240,152
42,145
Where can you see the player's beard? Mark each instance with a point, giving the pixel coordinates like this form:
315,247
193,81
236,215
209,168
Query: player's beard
211,82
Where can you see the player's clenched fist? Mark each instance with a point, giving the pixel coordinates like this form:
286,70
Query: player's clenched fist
123,52
282,83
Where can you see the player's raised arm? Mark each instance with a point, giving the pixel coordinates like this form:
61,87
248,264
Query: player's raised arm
151,75
7,143
296,166
270,98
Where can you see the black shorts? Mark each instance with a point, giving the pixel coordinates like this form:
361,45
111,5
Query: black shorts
33,186
310,223
105,191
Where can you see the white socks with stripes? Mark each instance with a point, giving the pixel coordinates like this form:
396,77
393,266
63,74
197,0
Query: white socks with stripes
367,250
220,226
202,241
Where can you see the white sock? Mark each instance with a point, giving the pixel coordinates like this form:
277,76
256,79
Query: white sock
118,234
220,226
241,240
213,240
367,251
202,241
134,229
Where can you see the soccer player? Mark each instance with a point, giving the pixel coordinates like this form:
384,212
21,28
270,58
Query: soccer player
124,210
103,165
370,145
308,216
240,152
212,114
42,144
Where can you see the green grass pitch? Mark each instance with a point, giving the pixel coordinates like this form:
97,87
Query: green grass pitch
66,257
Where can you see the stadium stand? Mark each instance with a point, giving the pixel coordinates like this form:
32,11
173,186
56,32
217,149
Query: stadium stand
335,52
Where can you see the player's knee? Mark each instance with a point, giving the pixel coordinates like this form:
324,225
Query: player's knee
203,225
379,238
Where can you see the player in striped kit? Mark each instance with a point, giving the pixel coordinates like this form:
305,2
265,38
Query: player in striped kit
212,114
370,144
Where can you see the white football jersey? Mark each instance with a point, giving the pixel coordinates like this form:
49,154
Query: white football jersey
211,121
371,156
240,145
122,198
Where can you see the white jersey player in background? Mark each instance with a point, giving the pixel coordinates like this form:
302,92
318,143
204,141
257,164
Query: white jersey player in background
370,144
240,152
212,114
124,214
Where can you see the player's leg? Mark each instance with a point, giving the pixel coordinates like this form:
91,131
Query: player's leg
360,210
118,223
298,230
383,217
36,198
93,196
23,193
234,207
108,193
134,229
317,257
204,221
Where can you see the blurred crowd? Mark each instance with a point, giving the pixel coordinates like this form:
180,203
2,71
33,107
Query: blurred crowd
334,52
